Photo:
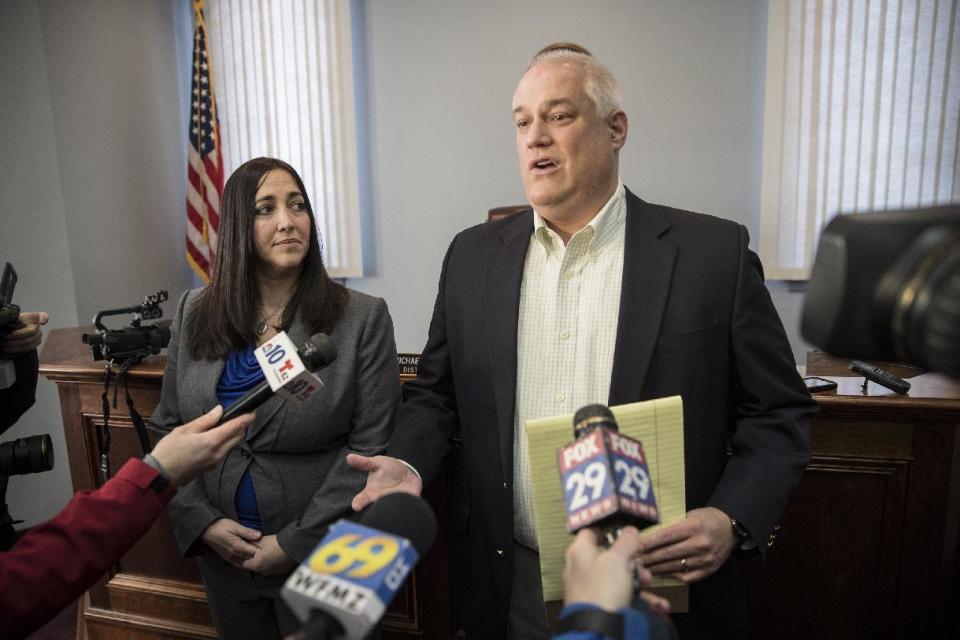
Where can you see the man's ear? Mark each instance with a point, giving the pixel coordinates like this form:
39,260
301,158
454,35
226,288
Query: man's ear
618,129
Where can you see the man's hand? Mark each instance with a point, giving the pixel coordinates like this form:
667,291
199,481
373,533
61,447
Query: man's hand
27,336
603,577
384,475
232,541
691,549
270,559
191,449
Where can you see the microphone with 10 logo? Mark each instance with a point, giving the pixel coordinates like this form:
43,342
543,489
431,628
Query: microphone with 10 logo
288,372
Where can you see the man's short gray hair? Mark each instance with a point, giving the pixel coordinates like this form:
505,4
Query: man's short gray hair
599,83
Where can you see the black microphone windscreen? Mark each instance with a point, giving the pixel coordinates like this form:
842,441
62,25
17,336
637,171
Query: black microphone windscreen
317,351
404,515
592,416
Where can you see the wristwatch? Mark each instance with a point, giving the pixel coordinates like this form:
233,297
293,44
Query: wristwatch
596,621
162,481
744,539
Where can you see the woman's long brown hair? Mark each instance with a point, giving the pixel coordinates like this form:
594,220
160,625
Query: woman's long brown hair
224,315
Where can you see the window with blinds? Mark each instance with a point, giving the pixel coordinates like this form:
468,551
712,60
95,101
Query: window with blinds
283,76
862,113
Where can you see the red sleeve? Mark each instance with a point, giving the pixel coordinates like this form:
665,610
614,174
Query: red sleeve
52,564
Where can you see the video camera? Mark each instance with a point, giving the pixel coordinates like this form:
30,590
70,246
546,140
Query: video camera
122,348
18,457
23,455
26,455
886,286
133,342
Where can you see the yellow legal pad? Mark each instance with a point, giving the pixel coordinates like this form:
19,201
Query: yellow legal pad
657,424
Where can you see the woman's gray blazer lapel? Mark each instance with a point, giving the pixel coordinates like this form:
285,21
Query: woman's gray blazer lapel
197,384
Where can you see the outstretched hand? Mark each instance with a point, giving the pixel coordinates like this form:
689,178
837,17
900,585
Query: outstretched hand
384,475
607,578
191,449
603,577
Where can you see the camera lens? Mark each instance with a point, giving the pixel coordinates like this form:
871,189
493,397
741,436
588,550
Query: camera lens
920,297
26,455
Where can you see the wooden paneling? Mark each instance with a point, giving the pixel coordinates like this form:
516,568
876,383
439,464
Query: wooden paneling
869,542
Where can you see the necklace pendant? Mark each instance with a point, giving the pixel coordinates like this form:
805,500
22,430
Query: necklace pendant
262,328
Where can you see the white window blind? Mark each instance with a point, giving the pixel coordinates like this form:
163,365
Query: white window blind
283,76
862,113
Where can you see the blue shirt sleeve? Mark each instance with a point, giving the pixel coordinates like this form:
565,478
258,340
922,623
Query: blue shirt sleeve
635,625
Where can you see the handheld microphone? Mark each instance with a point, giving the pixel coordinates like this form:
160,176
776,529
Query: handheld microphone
343,588
288,371
605,478
880,376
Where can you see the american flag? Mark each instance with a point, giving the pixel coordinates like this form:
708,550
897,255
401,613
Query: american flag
205,163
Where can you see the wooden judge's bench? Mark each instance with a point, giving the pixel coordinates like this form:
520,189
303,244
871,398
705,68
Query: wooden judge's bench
869,544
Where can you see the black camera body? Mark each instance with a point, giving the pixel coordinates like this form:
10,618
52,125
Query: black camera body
9,312
133,342
23,455
128,343
886,286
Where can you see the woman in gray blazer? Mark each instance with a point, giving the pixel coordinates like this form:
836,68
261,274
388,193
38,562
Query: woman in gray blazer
263,509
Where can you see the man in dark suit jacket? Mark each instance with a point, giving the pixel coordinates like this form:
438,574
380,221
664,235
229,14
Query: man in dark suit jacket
693,318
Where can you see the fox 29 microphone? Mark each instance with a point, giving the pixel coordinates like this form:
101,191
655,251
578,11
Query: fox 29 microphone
605,478
288,371
342,589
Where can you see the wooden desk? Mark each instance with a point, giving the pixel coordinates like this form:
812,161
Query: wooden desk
869,546
153,593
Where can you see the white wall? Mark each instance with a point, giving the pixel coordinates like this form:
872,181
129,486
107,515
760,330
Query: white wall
117,105
92,175
33,235
440,80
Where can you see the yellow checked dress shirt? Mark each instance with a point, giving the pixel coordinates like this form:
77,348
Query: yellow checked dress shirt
567,332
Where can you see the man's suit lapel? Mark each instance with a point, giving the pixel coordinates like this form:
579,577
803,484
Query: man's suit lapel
502,308
647,270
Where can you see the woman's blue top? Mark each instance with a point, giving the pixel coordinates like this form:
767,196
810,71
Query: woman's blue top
242,373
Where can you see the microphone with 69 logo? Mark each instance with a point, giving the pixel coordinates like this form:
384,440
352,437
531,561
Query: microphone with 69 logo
343,588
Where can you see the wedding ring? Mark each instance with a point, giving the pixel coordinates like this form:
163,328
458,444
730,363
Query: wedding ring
683,565
635,575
